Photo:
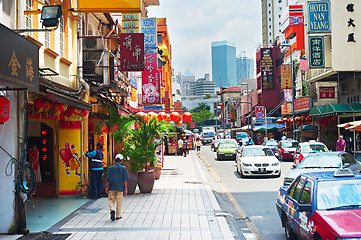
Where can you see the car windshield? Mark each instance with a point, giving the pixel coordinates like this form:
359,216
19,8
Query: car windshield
227,145
320,161
241,135
289,144
250,152
208,134
271,143
342,194
314,148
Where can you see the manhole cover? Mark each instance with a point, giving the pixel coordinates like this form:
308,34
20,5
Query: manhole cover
45,236
193,182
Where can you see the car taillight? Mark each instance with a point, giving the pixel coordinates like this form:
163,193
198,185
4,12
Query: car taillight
301,157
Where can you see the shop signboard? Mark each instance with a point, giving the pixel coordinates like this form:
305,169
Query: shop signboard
178,106
69,156
151,92
131,52
109,6
166,102
302,103
153,108
267,68
148,26
286,108
316,51
319,16
192,125
327,92
286,78
287,95
260,111
233,113
19,62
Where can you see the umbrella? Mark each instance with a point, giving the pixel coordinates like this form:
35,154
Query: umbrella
356,127
349,124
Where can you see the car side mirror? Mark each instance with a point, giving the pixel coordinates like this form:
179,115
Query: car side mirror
294,166
305,208
346,165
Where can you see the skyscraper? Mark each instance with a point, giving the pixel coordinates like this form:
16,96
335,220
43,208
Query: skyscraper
224,68
245,68
271,20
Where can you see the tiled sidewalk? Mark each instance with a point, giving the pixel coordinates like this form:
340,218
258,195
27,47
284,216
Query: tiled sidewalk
181,206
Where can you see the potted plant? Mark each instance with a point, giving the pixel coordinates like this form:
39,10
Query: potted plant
141,148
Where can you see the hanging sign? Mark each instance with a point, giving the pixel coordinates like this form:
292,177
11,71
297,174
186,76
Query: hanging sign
316,52
151,81
4,110
267,68
132,52
286,78
327,92
318,16
260,111
148,26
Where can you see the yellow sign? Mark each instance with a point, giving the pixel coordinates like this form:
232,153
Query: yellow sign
110,6
233,113
130,17
130,30
286,79
130,24
286,108
69,156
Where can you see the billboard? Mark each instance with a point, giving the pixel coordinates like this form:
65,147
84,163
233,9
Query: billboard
267,68
151,81
131,52
319,16
148,26
109,6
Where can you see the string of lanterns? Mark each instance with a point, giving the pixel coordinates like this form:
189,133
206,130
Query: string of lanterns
162,116
45,107
298,120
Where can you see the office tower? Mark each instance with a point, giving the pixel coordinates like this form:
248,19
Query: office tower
245,68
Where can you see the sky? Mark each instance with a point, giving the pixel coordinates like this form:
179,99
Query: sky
194,24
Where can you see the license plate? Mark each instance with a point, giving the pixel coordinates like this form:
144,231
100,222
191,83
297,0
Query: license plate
228,155
261,169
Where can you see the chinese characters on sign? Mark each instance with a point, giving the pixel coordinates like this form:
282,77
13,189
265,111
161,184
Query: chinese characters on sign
151,80
351,24
318,16
132,52
327,92
302,103
267,68
316,52
286,78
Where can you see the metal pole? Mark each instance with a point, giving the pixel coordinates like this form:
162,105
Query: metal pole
293,96
247,109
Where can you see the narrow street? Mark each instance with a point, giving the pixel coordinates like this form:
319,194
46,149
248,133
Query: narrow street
255,196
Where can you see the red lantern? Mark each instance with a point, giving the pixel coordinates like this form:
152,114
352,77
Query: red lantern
84,113
161,116
187,117
39,104
285,119
140,114
4,110
151,115
174,116
167,118
279,121
309,119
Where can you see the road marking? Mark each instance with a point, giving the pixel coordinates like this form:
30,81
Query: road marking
251,226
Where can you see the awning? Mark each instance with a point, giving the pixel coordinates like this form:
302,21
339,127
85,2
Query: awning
188,132
246,127
348,124
270,126
335,108
307,128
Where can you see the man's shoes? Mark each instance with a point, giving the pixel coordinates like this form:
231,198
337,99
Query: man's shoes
112,215
118,218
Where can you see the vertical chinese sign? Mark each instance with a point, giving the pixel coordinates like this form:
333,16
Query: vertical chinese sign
132,52
316,52
267,68
151,81
286,78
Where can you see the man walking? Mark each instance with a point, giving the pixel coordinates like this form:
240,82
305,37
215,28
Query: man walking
341,144
116,187
96,169
180,146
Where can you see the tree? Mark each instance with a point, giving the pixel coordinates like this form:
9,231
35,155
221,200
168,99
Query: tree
201,113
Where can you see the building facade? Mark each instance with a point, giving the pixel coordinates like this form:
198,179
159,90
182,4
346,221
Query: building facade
224,67
185,81
245,69
202,86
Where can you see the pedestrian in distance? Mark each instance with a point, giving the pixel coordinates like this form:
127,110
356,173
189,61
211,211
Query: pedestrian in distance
249,141
96,170
184,147
239,147
341,144
180,146
198,144
116,187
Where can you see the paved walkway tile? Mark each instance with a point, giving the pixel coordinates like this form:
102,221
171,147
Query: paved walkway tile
181,206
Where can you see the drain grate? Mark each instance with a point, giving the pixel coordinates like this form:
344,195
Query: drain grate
45,236
87,210
188,182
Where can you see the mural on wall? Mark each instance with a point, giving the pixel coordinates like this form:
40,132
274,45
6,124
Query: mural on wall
69,157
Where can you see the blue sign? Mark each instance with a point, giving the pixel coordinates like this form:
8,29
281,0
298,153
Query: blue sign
149,28
153,108
319,17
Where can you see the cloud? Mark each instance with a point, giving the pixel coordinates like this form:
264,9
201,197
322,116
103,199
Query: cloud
193,25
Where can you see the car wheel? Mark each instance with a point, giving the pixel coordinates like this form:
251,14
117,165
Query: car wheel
241,173
290,234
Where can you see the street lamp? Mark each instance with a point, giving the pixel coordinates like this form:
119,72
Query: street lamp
247,107
293,91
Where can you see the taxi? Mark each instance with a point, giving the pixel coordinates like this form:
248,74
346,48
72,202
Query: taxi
322,205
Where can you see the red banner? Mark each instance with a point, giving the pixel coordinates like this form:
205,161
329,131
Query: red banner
132,52
151,80
167,104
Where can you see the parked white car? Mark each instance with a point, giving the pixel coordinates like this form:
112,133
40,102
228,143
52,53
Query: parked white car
256,160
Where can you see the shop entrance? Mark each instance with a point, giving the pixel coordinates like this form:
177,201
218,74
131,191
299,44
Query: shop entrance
41,155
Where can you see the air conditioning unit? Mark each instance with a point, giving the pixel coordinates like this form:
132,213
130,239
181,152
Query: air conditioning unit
92,62
93,44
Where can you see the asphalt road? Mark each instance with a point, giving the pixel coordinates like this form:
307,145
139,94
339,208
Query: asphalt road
256,196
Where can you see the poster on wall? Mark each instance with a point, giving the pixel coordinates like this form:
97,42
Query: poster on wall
151,81
69,156
267,68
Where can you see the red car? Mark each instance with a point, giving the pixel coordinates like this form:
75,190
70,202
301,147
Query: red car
322,205
306,148
286,149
